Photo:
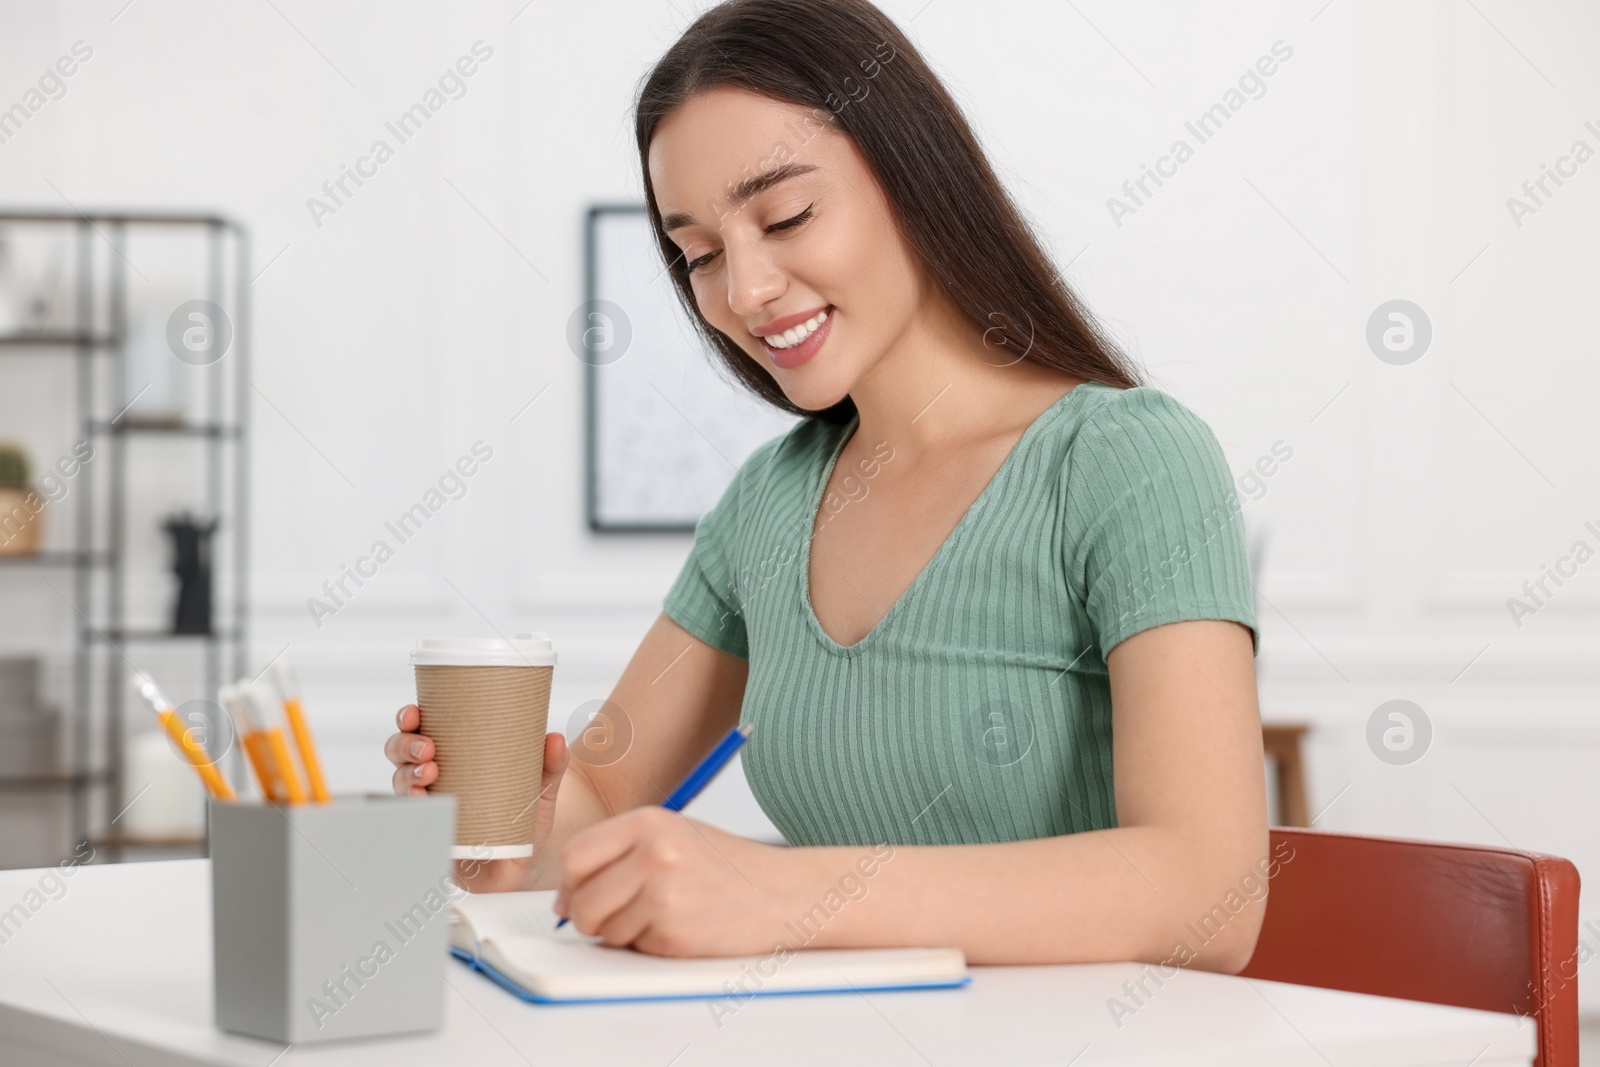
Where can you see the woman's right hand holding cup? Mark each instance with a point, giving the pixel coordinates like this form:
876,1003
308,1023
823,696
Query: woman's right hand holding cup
412,754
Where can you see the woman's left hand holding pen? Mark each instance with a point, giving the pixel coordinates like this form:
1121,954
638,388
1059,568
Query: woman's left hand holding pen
670,886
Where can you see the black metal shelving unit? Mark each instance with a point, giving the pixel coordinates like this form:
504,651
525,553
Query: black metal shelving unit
98,557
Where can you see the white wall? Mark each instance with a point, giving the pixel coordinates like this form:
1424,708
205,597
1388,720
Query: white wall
1377,165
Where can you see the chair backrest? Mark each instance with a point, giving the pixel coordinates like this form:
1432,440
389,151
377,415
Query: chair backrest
1470,925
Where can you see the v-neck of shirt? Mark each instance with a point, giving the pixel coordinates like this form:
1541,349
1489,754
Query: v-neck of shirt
967,519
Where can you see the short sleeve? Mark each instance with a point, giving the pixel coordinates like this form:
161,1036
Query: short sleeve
704,599
1158,532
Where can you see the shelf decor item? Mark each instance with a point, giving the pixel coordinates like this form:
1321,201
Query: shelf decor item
172,801
155,389
19,684
8,322
42,300
33,266
191,561
19,504
30,730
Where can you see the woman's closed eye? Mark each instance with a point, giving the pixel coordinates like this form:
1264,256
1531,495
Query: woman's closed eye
804,216
777,227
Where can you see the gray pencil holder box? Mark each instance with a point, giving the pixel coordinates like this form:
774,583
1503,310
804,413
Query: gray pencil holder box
331,920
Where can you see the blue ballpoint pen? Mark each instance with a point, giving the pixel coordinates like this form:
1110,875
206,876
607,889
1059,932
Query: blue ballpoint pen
704,771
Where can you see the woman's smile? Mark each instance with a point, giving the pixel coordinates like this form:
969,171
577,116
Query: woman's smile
794,345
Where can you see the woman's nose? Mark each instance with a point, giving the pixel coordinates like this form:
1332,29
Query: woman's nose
753,283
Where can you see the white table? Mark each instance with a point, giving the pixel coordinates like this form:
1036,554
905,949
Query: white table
117,971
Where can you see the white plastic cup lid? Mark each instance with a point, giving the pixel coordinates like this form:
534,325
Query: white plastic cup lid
523,650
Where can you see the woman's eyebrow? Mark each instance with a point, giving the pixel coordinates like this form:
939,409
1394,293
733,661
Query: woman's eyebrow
741,193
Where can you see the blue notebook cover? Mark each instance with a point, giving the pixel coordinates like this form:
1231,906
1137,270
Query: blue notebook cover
489,971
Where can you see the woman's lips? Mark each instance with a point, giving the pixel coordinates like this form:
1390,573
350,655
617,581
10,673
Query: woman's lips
784,322
795,355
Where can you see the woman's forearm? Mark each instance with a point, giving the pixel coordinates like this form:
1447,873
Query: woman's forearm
579,805
1133,893
676,698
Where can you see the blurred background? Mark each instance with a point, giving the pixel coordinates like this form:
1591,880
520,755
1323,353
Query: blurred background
227,368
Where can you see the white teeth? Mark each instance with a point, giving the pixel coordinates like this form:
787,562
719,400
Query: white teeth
795,334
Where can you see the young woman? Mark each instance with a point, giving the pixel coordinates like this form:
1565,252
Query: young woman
986,604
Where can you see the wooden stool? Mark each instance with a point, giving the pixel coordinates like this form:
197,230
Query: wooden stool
1281,743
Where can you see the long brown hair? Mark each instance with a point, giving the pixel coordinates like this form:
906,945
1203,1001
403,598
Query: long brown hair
852,68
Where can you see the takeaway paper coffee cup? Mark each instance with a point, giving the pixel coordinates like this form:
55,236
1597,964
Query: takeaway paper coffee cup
485,704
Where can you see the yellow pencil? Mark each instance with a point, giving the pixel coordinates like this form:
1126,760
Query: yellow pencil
193,751
289,692
263,744
274,743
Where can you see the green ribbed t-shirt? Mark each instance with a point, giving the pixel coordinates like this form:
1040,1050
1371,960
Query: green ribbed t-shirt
978,709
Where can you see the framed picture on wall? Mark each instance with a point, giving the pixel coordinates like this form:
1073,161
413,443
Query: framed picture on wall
667,425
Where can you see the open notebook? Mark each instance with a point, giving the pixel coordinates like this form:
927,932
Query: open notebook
511,938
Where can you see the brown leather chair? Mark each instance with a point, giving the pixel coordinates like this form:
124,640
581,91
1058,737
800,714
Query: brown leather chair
1470,925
